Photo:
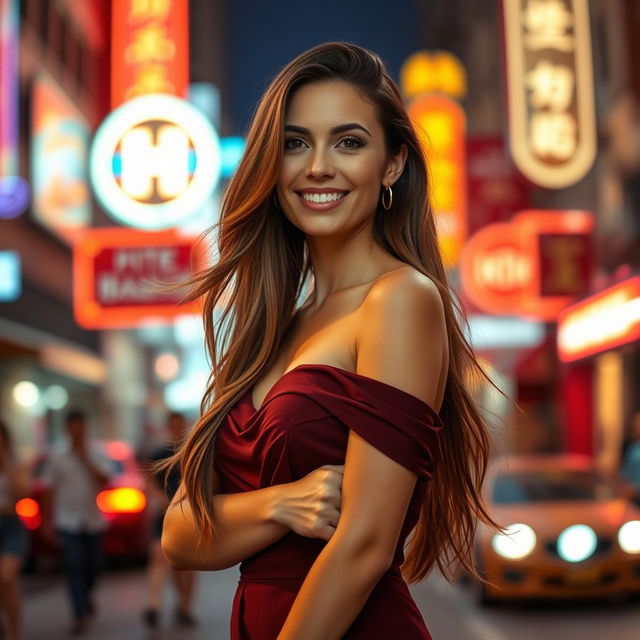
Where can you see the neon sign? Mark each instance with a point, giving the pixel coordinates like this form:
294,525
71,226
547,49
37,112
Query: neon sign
59,149
149,48
552,130
154,162
533,266
433,72
604,321
119,276
10,277
440,124
14,190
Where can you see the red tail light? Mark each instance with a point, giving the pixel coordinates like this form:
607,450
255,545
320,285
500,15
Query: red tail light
121,500
29,511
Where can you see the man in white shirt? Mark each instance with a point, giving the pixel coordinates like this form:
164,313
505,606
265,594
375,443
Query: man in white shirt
74,478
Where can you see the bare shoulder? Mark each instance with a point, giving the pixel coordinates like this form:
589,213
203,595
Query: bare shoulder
402,335
404,288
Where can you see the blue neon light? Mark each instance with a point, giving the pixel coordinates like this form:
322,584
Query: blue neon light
10,280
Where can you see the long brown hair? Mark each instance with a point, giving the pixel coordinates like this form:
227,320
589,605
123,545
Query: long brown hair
262,268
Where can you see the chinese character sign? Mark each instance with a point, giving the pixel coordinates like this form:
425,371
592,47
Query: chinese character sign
552,133
149,48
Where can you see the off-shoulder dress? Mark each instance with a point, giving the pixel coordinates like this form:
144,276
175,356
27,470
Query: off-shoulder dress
302,424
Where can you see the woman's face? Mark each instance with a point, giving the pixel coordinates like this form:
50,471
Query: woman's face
349,163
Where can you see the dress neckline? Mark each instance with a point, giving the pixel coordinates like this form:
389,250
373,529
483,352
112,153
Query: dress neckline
410,397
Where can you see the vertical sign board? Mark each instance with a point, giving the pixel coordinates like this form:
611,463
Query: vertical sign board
121,276
496,189
155,160
552,128
149,48
440,124
59,158
14,191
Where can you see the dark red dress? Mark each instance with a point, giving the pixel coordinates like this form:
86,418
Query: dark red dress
304,423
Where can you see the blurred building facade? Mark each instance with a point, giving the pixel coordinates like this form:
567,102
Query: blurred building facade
62,52
587,405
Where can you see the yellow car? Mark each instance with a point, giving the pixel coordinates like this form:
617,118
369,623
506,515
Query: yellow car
572,531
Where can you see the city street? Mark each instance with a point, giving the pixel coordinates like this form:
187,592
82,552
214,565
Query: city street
374,262
449,612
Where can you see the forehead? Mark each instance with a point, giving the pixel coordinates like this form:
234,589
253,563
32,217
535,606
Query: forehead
325,104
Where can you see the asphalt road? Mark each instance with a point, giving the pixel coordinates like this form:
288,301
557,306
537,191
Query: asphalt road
450,612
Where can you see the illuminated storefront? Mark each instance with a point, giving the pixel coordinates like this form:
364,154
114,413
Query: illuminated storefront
599,342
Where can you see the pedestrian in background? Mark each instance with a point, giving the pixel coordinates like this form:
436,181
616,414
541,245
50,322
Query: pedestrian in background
15,484
161,489
74,478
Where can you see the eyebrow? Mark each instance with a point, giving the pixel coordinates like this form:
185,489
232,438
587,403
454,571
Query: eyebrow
339,129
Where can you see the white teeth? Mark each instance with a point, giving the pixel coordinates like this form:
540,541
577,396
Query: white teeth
322,197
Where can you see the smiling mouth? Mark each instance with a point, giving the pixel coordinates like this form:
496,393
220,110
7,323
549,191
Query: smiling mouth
322,202
321,198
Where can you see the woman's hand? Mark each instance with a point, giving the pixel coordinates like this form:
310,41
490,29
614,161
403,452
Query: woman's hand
311,506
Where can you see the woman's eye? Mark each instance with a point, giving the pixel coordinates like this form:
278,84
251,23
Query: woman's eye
354,143
351,142
287,142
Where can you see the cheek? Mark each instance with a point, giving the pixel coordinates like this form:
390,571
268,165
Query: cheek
289,170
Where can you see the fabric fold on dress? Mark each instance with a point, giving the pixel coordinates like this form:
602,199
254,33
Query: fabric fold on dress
304,423
397,423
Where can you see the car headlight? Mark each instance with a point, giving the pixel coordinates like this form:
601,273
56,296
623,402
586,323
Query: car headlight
629,536
577,543
517,542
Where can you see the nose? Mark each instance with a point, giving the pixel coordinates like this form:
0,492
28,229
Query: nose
319,164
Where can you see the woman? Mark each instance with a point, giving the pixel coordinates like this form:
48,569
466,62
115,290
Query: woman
14,485
330,431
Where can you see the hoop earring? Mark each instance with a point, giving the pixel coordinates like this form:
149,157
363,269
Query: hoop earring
390,192
275,201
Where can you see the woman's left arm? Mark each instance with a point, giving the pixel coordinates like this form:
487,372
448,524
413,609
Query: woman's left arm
404,344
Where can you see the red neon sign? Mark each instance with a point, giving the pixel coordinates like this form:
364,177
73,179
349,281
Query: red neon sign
533,266
120,276
149,48
604,321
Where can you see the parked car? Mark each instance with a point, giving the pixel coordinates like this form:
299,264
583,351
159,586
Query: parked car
123,503
572,531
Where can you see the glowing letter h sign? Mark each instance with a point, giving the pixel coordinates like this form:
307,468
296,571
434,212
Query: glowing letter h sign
163,165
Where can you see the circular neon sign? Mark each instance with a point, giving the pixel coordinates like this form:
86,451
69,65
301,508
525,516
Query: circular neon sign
154,162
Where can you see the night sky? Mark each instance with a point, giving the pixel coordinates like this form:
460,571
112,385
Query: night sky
264,36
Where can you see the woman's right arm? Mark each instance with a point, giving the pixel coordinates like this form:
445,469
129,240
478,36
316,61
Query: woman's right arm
248,522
